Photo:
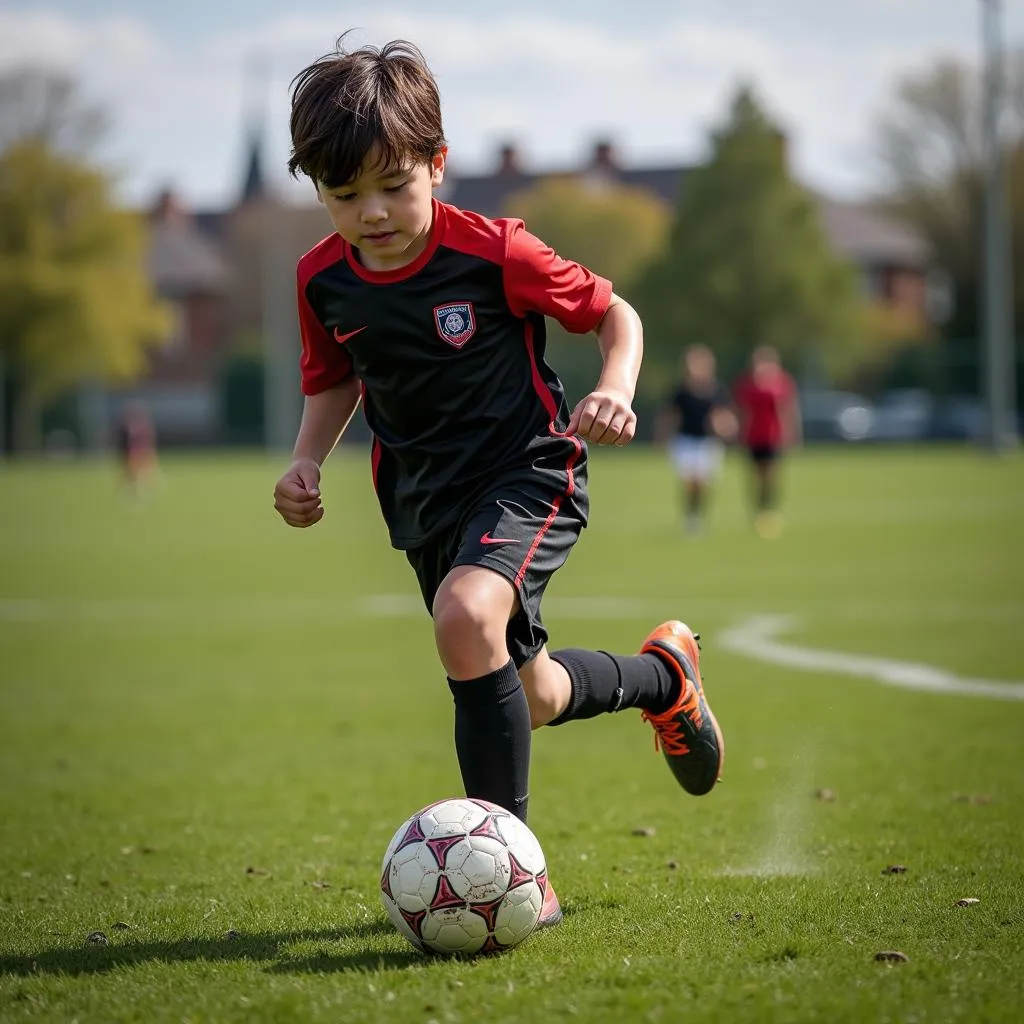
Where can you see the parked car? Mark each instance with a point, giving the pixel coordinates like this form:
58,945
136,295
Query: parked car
835,416
903,414
959,418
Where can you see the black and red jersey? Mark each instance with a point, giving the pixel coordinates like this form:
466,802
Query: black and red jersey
449,352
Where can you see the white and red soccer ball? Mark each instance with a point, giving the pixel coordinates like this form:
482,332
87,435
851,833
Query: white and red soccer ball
463,876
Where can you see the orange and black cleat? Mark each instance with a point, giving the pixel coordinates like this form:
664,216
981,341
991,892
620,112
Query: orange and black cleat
550,912
687,733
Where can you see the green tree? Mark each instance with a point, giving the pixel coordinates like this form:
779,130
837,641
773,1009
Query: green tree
613,229
931,145
75,299
747,262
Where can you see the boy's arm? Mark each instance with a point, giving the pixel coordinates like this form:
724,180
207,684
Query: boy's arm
325,416
725,421
793,421
606,415
667,423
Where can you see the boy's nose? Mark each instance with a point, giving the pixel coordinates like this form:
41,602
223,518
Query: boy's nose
374,213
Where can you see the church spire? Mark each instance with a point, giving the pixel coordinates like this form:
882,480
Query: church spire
254,184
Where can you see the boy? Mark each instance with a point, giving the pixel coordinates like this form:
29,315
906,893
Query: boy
136,447
766,397
434,317
697,420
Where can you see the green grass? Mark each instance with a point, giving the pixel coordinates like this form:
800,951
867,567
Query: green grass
190,690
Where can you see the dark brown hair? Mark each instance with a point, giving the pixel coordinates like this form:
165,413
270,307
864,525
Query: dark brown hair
347,102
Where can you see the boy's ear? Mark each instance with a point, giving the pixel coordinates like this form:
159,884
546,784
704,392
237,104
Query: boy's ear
437,162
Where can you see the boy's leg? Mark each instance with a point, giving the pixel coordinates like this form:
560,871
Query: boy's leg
471,609
767,521
472,606
526,538
570,684
663,680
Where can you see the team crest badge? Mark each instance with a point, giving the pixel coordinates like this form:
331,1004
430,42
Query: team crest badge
456,322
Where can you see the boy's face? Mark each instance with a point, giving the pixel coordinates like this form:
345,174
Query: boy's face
385,212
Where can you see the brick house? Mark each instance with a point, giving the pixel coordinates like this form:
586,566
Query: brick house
229,272
892,259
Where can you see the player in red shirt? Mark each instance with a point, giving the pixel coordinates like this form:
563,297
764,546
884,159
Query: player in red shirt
434,318
136,447
766,398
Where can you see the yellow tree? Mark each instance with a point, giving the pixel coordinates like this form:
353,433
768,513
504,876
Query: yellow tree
613,229
75,299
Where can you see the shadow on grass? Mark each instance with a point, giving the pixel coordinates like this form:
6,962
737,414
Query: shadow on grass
264,948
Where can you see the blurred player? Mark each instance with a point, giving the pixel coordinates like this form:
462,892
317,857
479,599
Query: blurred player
136,447
435,318
696,422
766,398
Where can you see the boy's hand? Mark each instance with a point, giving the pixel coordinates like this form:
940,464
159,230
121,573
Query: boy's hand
297,494
604,417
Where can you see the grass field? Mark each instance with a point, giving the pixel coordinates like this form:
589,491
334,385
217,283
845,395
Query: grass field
210,725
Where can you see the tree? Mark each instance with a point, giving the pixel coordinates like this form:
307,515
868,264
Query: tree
36,104
613,229
931,146
75,299
747,261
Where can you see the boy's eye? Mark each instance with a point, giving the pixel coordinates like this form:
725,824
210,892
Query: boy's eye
345,197
396,188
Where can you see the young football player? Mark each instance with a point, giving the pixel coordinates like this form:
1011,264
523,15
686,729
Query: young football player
766,397
434,317
695,422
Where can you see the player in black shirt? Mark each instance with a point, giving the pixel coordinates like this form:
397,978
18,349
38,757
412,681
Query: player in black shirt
434,317
695,422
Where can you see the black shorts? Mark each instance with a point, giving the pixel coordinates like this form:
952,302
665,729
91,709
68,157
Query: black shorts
761,454
523,528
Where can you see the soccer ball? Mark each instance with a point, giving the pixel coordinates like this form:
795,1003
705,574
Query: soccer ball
463,877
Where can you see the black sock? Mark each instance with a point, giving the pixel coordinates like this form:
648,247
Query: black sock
694,502
603,682
492,738
765,494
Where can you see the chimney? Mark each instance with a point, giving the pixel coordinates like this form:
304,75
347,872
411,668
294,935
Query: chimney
168,208
604,156
508,161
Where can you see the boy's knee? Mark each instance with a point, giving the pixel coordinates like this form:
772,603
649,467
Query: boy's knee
457,618
470,612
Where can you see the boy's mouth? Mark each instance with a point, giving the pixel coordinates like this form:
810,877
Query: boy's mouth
379,237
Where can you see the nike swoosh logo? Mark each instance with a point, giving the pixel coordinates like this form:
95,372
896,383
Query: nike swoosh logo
488,539
342,338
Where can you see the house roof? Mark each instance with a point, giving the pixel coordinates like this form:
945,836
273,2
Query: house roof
855,230
862,233
183,258
488,194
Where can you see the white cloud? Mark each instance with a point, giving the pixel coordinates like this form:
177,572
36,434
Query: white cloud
553,84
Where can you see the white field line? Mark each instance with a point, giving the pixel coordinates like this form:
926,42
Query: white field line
756,638
407,605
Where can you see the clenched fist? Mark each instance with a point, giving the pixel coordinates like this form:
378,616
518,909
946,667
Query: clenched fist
604,417
297,494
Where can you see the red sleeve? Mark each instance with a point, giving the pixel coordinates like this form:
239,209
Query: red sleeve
324,364
537,280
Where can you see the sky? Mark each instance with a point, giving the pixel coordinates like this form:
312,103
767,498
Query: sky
651,76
